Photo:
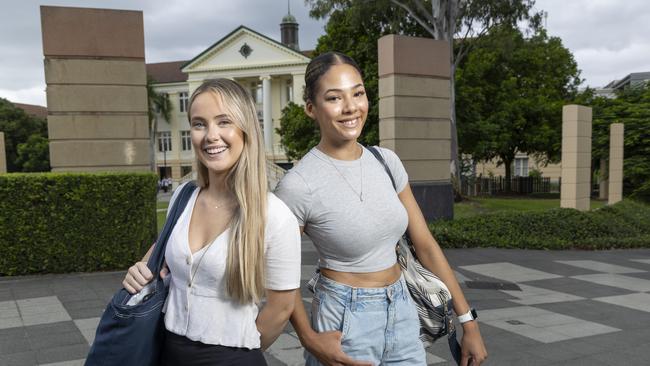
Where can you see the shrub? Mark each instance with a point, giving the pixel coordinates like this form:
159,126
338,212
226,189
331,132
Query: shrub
64,222
642,193
623,225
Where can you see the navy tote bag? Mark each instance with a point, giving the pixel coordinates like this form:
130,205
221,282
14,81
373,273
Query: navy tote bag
133,334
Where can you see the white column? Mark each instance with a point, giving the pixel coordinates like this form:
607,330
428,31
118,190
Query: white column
266,113
298,84
283,93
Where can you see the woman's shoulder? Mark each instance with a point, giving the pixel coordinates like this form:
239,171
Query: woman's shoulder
276,207
279,216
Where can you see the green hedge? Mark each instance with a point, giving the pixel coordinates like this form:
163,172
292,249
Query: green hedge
68,222
642,193
623,225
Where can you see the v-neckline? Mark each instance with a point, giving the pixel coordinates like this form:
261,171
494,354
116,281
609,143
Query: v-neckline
206,244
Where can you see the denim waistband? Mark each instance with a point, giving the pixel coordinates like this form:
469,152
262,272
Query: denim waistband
349,294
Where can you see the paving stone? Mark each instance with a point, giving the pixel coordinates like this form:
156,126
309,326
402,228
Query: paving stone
602,267
619,281
288,349
636,301
82,309
530,295
60,354
509,272
67,363
43,341
542,325
18,359
88,328
16,344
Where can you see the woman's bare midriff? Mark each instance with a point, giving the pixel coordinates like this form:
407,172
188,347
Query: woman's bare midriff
381,278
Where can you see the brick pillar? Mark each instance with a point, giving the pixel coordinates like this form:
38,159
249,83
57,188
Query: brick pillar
3,154
414,116
96,89
616,132
576,157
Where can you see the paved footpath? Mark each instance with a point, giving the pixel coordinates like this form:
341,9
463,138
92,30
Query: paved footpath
535,308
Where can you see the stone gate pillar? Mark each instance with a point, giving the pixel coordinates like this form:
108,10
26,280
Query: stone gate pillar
616,143
576,157
414,116
96,89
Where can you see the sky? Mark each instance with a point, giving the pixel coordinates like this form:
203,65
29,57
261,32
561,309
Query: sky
608,38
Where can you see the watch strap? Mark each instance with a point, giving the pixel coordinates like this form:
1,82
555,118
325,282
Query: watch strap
467,317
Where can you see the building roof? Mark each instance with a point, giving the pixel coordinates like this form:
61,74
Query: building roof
289,19
167,72
33,110
631,79
236,30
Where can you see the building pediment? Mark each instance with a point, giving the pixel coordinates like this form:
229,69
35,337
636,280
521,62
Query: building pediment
244,48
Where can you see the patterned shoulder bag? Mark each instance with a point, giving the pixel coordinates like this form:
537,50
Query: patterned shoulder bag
430,295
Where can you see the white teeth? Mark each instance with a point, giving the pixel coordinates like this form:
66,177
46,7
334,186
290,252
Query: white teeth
350,123
216,150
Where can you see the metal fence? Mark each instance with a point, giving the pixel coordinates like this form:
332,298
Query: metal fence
487,186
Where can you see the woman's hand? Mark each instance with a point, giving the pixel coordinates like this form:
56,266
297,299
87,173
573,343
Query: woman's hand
473,351
139,275
326,347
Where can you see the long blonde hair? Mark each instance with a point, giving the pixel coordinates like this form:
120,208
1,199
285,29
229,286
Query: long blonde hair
247,180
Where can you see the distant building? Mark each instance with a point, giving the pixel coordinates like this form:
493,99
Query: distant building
33,110
272,71
630,81
524,163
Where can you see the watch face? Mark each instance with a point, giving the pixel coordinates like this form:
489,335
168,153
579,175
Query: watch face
474,314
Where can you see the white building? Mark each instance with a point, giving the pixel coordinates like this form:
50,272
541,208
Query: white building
273,72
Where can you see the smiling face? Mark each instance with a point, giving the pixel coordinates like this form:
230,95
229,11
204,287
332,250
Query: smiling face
340,105
217,141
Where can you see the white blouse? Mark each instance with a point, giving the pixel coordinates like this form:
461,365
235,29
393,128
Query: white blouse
204,312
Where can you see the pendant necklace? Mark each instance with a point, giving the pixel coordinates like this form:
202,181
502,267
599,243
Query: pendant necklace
358,194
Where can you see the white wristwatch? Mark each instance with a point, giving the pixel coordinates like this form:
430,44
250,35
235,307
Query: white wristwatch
468,317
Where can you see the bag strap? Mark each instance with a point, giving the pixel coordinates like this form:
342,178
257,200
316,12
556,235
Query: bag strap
157,257
454,346
379,157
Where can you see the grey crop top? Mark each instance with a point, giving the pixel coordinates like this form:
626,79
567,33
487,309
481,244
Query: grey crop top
350,235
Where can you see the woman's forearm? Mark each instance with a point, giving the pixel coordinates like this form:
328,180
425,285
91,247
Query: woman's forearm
300,322
274,316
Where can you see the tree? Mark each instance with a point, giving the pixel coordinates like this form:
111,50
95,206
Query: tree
353,30
298,132
19,127
34,154
632,108
511,90
158,105
455,21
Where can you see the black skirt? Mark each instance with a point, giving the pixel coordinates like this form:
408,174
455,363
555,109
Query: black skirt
181,351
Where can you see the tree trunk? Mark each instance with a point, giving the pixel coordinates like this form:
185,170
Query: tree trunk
508,164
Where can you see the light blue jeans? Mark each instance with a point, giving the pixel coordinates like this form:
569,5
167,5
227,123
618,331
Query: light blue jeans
379,325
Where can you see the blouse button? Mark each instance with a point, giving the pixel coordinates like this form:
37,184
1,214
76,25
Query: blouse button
188,260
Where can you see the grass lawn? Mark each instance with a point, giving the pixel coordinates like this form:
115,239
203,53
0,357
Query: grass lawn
162,214
482,205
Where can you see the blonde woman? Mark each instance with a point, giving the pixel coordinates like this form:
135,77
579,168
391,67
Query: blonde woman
234,244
